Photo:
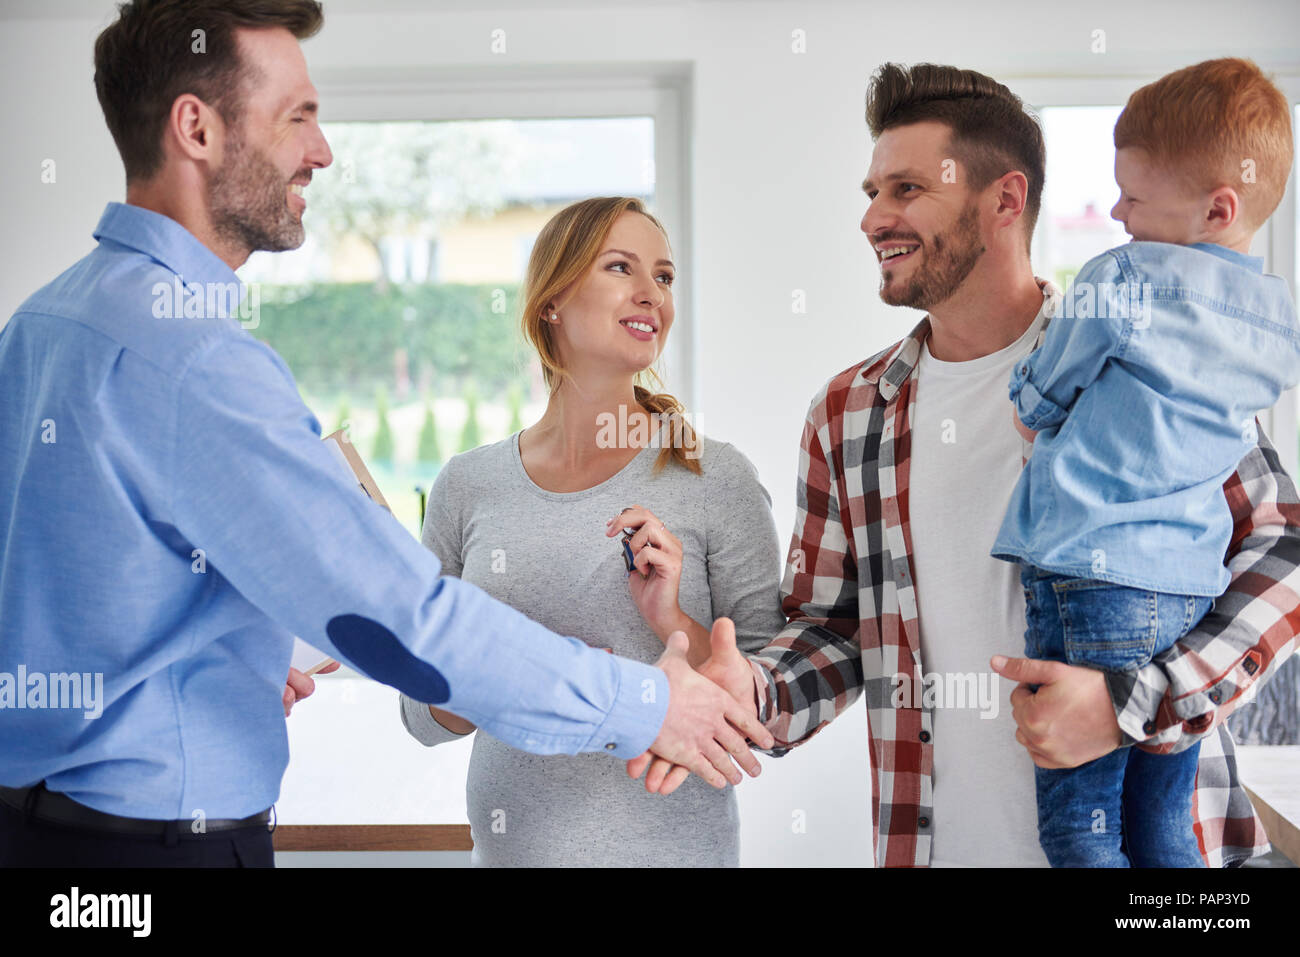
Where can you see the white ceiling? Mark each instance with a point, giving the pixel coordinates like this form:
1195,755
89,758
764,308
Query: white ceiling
106,9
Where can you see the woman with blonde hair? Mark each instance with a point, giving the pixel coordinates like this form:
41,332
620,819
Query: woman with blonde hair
610,520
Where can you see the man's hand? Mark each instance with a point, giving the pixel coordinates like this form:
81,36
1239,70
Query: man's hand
301,686
727,668
1070,720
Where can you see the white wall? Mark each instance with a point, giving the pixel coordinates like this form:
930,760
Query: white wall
779,149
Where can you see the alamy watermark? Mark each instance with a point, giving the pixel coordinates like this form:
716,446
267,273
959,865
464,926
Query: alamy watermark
128,911
1106,300
648,430
208,300
56,690
948,690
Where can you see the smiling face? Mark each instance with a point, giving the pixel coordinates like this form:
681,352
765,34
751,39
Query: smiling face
925,232
1155,205
617,317
255,196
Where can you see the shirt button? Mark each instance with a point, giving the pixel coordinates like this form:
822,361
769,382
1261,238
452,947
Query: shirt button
611,746
924,736
922,821
1149,728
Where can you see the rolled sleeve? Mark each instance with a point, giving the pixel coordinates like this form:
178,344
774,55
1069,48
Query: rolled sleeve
1036,410
423,726
1074,350
762,690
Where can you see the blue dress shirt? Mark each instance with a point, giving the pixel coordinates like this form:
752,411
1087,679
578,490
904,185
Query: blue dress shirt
1144,394
169,518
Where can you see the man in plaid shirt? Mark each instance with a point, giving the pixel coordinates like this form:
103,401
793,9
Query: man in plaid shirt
907,462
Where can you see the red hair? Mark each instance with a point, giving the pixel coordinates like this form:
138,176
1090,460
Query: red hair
1217,123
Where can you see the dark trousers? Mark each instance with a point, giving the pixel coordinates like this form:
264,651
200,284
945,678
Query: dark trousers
27,841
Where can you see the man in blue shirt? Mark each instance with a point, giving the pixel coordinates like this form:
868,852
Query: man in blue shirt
169,517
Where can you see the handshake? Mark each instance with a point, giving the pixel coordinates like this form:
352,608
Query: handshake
711,714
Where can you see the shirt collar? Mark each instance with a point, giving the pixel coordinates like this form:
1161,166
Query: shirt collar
890,372
163,240
1253,263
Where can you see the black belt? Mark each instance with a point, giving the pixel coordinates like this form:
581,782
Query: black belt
56,808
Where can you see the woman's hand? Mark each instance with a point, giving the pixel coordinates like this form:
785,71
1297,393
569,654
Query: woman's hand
657,570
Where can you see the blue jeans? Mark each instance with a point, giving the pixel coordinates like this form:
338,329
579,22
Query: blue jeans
1130,807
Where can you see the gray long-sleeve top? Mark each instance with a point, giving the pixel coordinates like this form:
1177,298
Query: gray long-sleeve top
546,554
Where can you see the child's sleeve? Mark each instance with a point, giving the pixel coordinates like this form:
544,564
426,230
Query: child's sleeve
1075,347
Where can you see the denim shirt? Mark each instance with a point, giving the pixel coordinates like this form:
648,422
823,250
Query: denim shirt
1144,391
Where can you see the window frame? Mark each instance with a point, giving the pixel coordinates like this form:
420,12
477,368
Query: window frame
661,91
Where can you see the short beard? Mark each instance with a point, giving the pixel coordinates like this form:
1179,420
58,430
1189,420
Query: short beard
945,267
247,200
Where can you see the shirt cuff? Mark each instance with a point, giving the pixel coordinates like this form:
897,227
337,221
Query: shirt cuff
762,681
1036,411
423,726
640,707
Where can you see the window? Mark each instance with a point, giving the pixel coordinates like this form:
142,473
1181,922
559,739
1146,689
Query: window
386,313
1079,191
399,316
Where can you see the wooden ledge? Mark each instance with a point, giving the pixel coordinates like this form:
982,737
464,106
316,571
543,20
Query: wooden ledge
373,837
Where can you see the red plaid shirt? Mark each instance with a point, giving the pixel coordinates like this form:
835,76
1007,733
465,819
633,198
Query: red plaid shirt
851,603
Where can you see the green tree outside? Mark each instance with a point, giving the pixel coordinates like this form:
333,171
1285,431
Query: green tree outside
470,437
382,451
428,452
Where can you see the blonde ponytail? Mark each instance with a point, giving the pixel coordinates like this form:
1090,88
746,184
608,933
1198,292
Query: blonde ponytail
681,444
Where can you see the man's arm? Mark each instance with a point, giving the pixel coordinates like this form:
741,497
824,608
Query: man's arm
1185,692
251,484
812,670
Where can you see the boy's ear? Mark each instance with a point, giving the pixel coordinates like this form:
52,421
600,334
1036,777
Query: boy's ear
1224,208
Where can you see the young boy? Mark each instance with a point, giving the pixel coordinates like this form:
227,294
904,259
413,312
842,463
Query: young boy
1143,393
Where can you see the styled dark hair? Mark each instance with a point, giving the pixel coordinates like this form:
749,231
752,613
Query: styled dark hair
158,50
992,131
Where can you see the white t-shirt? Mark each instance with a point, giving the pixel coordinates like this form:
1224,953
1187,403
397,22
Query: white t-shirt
966,458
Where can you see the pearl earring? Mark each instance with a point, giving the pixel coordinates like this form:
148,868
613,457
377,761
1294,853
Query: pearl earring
554,317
